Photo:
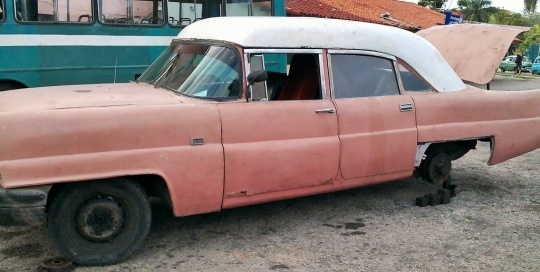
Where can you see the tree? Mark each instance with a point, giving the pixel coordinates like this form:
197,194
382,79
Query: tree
531,37
433,4
476,10
506,17
530,5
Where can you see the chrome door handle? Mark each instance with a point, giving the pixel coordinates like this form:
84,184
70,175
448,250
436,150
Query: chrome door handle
328,110
406,107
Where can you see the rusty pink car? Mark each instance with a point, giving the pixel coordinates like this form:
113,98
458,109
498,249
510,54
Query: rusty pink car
240,111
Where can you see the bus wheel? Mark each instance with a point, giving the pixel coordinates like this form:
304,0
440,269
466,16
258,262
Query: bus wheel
4,86
99,223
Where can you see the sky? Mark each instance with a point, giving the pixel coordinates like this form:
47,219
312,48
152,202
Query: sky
512,5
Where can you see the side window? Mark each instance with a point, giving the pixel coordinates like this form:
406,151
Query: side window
249,8
131,12
362,76
185,12
537,61
1,10
298,79
411,81
54,11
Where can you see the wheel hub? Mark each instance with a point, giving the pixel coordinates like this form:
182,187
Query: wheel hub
439,168
100,219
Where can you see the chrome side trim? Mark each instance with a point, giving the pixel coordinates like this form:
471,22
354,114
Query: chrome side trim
327,110
197,141
322,80
406,107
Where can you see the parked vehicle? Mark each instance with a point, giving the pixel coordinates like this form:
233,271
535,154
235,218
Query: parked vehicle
535,69
509,64
51,42
208,126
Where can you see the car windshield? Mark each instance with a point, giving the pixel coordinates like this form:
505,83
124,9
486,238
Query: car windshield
202,71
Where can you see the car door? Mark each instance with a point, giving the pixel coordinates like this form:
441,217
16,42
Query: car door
377,125
280,142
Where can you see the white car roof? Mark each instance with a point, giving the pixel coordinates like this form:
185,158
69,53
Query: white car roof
304,32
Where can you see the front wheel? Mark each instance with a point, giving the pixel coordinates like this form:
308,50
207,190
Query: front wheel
99,223
503,70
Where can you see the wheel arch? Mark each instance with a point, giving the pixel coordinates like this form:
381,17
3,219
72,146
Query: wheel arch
154,185
9,84
454,149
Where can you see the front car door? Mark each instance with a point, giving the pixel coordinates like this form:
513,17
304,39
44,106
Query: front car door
377,124
283,141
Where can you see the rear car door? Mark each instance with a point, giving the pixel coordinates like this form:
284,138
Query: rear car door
377,124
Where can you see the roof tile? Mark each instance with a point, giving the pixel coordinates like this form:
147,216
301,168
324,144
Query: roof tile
401,14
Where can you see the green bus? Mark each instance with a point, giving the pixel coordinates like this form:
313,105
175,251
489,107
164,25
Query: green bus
60,42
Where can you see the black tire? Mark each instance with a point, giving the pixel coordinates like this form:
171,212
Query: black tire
101,222
502,70
4,86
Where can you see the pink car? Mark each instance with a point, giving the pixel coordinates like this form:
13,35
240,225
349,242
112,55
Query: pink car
240,111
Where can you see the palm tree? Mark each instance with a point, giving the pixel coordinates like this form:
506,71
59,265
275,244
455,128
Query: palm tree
530,5
476,10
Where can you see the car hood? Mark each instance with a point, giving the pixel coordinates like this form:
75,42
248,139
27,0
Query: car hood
474,51
82,96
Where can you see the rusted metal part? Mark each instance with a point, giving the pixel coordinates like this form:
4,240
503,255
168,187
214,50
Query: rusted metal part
474,51
56,264
23,207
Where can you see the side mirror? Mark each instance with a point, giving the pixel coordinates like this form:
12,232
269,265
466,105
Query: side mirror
257,76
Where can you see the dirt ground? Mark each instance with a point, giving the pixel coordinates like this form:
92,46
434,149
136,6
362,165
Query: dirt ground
492,225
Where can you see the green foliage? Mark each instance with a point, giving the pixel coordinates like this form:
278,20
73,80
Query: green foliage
531,37
506,17
476,10
433,4
530,5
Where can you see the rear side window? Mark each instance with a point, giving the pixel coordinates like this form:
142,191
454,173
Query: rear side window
411,81
362,76
54,11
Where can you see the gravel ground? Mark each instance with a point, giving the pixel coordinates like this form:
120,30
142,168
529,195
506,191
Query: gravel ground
492,225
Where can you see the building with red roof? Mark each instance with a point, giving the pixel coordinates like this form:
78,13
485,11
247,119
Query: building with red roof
406,15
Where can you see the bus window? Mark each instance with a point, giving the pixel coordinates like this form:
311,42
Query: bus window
185,12
65,11
1,10
249,8
131,12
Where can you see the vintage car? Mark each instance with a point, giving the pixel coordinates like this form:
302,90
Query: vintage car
240,111
535,69
509,64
